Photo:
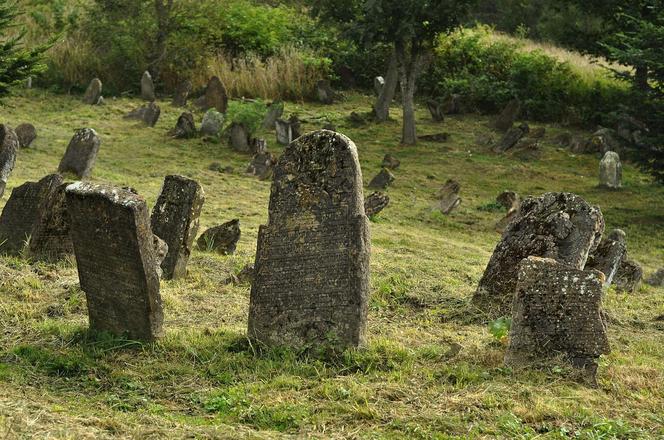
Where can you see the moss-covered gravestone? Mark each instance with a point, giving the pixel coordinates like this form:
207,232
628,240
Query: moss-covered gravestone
311,283
117,261
81,153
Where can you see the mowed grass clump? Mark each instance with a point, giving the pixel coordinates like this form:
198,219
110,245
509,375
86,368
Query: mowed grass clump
431,368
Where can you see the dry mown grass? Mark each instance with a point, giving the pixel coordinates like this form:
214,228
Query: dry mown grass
204,380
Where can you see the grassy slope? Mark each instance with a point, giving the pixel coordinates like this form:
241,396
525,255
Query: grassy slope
204,380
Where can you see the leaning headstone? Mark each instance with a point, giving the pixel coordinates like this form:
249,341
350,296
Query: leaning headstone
182,94
561,226
390,162
81,153
215,96
448,196
221,239
436,109
557,312
239,137
26,133
116,260
512,202
147,87
274,112
93,93
212,123
508,116
379,85
375,203
325,92
382,180
311,283
511,138
261,165
610,171
9,145
656,279
148,114
608,256
175,219
185,127
628,276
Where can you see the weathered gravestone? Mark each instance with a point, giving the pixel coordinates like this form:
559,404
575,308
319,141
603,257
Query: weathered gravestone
185,127
311,281
557,312
526,149
261,165
375,203
436,108
239,137
9,145
628,276
610,171
511,201
561,226
81,153
511,138
324,91
182,94
274,112
215,96
508,116
93,93
147,87
212,123
175,219
382,180
379,85
26,133
608,256
288,130
116,258
148,114
656,279
35,219
221,239
390,162
448,196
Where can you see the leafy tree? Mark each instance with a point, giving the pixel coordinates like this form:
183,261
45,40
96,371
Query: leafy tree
16,62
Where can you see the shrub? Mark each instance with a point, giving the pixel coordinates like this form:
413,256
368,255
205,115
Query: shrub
248,113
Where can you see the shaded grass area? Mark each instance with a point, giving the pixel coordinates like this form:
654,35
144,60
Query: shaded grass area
429,370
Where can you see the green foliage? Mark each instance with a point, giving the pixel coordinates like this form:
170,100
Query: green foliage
500,328
248,113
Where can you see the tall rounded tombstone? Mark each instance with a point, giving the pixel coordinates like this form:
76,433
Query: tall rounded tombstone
93,92
311,283
116,259
610,171
147,87
561,226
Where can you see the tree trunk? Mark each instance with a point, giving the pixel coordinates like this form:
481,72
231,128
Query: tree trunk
163,10
641,78
410,65
382,107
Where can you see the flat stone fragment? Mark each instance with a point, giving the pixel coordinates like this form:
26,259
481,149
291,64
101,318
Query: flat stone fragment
382,180
9,145
221,239
375,203
116,260
390,162
148,114
557,311
656,279
610,171
26,133
215,96
608,256
81,153
435,137
185,127
628,276
508,116
93,93
311,283
175,219
147,87
448,196
274,111
561,226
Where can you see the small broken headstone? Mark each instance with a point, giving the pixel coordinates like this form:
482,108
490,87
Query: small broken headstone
274,112
261,165
628,276
117,264
239,137
182,94
448,196
212,123
557,311
382,179
375,203
175,219
610,171
93,93
561,226
26,133
656,279
81,153
390,162
311,284
512,202
436,109
215,96
510,139
9,145
608,256
508,116
221,239
148,114
185,127
147,87
324,91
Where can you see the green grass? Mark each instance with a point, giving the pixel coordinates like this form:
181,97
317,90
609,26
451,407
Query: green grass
428,370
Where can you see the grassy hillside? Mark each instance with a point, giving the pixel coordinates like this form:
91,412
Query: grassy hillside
429,371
